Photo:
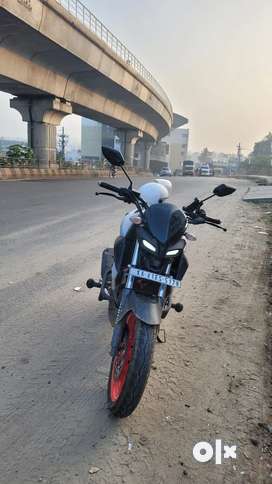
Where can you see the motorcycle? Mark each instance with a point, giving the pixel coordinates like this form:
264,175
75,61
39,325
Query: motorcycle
138,276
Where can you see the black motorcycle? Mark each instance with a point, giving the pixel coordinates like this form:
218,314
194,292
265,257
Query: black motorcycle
137,279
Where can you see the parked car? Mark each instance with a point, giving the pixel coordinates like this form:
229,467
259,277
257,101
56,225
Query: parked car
165,172
178,172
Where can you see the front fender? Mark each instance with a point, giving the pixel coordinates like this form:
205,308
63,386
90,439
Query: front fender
145,308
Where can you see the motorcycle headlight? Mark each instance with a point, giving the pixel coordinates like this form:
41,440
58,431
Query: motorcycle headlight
149,246
172,253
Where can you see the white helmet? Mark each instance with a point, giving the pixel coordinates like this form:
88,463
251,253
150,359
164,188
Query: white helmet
165,183
153,193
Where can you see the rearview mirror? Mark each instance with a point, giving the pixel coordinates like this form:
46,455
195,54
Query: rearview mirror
223,190
114,157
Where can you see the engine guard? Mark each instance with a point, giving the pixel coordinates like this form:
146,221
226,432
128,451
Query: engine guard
146,309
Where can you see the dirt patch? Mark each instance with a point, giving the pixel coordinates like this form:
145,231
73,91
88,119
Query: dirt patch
264,429
211,380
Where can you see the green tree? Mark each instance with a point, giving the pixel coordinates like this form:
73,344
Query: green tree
20,155
261,157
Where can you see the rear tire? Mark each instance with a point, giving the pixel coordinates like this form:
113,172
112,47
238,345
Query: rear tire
130,368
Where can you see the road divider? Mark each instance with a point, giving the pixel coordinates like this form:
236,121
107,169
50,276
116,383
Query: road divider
40,173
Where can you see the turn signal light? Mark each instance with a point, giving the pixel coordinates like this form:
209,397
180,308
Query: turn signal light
190,237
136,219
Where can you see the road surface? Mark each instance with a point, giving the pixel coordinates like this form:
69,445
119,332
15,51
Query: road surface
54,343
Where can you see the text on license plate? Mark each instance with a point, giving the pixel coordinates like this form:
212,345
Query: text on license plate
150,276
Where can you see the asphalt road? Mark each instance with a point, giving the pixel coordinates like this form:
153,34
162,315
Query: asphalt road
54,341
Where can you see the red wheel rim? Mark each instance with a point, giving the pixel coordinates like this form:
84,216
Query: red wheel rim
123,358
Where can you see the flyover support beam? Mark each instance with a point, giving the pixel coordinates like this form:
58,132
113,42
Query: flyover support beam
131,139
147,153
43,115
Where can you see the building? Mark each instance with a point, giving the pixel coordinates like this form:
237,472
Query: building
93,136
91,141
177,140
159,156
170,151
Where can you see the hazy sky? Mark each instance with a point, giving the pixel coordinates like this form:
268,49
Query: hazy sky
213,58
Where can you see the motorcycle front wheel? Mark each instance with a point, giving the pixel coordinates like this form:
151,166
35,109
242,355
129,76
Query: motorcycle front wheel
130,367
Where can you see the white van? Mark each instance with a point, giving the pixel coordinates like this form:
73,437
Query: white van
205,170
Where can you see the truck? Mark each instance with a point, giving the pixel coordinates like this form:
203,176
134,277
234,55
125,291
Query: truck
188,168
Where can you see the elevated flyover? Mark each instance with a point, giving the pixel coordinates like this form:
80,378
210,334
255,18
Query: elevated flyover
57,58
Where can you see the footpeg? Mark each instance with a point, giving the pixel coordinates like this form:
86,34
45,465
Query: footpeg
177,307
92,283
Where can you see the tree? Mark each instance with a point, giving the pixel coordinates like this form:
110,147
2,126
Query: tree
205,156
264,147
261,156
62,143
20,155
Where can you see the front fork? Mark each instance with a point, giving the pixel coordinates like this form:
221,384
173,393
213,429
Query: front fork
163,287
130,279
118,328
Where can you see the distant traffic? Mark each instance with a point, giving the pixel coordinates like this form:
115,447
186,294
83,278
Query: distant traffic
188,169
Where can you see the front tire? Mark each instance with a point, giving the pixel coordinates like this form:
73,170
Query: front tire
130,367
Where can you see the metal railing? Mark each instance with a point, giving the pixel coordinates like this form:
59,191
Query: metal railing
89,20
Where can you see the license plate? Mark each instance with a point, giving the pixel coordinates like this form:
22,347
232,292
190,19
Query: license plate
150,276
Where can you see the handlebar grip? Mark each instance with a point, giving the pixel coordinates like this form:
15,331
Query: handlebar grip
213,220
107,186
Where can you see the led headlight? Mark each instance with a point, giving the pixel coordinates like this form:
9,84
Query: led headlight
172,252
149,246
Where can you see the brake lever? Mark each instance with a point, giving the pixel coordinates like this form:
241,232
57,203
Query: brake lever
201,220
217,226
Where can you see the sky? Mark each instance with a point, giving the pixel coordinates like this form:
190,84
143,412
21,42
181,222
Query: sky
212,57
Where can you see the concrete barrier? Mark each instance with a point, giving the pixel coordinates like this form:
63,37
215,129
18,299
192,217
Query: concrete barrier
261,194
259,179
39,173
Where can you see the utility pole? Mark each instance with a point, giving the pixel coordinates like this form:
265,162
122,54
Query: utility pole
239,154
63,140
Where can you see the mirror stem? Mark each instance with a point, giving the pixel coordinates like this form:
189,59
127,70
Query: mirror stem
128,177
208,198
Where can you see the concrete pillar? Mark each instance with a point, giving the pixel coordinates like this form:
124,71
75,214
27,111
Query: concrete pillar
131,139
43,115
147,151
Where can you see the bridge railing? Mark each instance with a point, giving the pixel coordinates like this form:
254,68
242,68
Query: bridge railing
87,18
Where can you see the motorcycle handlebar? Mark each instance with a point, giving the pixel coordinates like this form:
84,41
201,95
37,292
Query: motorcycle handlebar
107,186
194,211
199,218
213,220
